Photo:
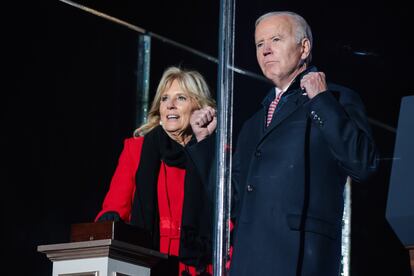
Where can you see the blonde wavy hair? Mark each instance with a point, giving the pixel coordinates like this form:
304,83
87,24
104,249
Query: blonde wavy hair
190,81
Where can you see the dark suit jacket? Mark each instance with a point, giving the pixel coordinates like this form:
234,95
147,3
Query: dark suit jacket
288,181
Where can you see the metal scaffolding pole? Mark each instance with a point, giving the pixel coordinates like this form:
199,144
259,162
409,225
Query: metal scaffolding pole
143,76
224,137
346,231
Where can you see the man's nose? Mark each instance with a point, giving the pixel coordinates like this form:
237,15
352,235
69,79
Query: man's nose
267,49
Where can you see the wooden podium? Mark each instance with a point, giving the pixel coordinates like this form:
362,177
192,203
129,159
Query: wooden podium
103,249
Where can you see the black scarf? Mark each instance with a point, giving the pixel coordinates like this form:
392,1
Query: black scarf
196,223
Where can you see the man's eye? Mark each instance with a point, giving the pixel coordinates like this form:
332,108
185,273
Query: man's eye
275,39
258,45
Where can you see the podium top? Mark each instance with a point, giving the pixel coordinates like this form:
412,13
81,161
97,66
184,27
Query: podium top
110,230
115,240
114,249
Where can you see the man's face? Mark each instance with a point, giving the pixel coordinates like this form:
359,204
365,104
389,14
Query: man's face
278,53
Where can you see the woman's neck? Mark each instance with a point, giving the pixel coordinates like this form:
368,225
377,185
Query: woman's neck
181,138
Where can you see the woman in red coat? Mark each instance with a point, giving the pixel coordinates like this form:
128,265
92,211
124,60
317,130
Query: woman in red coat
155,186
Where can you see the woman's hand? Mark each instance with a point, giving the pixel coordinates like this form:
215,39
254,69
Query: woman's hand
203,122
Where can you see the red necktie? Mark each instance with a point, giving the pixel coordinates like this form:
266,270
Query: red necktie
272,108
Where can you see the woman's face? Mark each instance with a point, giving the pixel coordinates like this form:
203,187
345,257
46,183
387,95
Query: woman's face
176,107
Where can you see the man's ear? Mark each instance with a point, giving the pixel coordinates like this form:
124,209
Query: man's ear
306,48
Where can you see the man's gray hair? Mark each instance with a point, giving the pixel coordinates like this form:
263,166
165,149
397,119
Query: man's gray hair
303,29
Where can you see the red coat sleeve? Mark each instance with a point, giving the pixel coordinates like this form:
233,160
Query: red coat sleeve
122,188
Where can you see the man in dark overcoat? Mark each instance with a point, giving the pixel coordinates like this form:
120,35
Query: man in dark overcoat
292,159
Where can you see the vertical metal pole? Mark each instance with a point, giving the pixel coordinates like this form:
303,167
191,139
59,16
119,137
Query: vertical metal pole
224,137
143,72
346,231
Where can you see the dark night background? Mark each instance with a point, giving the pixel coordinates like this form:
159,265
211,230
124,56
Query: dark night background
70,92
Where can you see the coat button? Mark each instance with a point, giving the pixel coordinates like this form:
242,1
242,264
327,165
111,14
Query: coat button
320,122
250,188
257,153
314,115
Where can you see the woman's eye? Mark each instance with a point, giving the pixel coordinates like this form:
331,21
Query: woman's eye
164,98
182,98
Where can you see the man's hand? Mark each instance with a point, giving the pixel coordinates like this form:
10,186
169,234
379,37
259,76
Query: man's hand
314,83
203,122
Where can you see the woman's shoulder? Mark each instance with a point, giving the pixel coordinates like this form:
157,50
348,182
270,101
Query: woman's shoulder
134,142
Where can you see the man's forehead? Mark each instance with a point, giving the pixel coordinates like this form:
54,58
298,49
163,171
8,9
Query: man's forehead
272,28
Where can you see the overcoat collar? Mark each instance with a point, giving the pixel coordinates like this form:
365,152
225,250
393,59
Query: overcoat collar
290,101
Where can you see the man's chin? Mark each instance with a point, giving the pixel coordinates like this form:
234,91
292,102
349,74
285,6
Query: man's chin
272,75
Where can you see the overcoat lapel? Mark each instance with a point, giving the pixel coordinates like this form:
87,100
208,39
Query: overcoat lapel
294,102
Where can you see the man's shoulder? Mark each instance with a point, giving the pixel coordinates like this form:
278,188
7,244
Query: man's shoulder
343,92
253,121
255,116
340,88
